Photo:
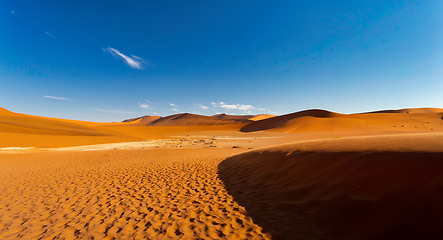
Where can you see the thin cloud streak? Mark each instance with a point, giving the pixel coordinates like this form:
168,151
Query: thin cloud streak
134,62
50,35
58,98
173,105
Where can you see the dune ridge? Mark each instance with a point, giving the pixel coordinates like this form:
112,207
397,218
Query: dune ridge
425,119
381,187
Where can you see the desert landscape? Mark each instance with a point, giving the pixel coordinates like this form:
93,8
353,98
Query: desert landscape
312,174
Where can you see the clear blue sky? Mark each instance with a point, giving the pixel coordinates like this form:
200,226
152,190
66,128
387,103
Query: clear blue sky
111,60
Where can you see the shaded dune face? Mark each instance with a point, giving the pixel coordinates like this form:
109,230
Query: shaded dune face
279,121
187,119
302,194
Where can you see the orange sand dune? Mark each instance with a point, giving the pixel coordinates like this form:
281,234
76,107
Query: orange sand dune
186,119
142,121
243,117
356,188
22,130
325,121
412,110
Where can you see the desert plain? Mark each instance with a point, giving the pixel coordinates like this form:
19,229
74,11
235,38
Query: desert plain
313,174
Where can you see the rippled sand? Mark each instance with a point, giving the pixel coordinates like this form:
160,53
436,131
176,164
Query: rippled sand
123,194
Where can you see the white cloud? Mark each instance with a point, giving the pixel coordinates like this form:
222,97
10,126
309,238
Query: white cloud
149,102
110,111
134,62
242,107
214,104
58,98
202,106
261,109
50,35
174,109
227,106
173,105
144,106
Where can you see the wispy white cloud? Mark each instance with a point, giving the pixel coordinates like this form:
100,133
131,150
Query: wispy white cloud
174,109
110,111
173,105
144,106
58,98
50,35
203,107
133,61
149,102
241,107
261,109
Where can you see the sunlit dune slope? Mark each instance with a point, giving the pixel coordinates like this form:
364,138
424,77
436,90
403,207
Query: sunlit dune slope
22,123
22,130
412,110
357,188
245,118
261,117
324,121
142,121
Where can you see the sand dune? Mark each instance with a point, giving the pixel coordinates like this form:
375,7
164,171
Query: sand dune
412,110
142,121
243,117
325,121
385,187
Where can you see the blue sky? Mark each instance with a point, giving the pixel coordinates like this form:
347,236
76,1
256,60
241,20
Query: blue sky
111,60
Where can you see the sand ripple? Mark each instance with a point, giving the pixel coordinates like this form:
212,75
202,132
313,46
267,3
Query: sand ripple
137,194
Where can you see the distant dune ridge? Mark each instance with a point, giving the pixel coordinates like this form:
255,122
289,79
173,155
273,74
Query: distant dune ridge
416,119
26,130
188,119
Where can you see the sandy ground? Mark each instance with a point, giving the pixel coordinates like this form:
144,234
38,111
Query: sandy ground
309,175
141,194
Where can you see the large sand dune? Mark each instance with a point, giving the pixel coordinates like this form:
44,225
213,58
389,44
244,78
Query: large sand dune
324,121
384,187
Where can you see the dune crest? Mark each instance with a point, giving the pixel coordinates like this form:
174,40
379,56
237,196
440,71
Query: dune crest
324,121
357,188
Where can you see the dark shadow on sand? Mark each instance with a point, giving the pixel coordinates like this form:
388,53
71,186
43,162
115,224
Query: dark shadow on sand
339,195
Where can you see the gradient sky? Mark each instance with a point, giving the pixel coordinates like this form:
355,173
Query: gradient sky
112,60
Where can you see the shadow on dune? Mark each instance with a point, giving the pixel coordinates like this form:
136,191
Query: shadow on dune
280,121
339,195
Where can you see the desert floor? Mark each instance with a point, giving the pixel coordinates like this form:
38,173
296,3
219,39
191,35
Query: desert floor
133,182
